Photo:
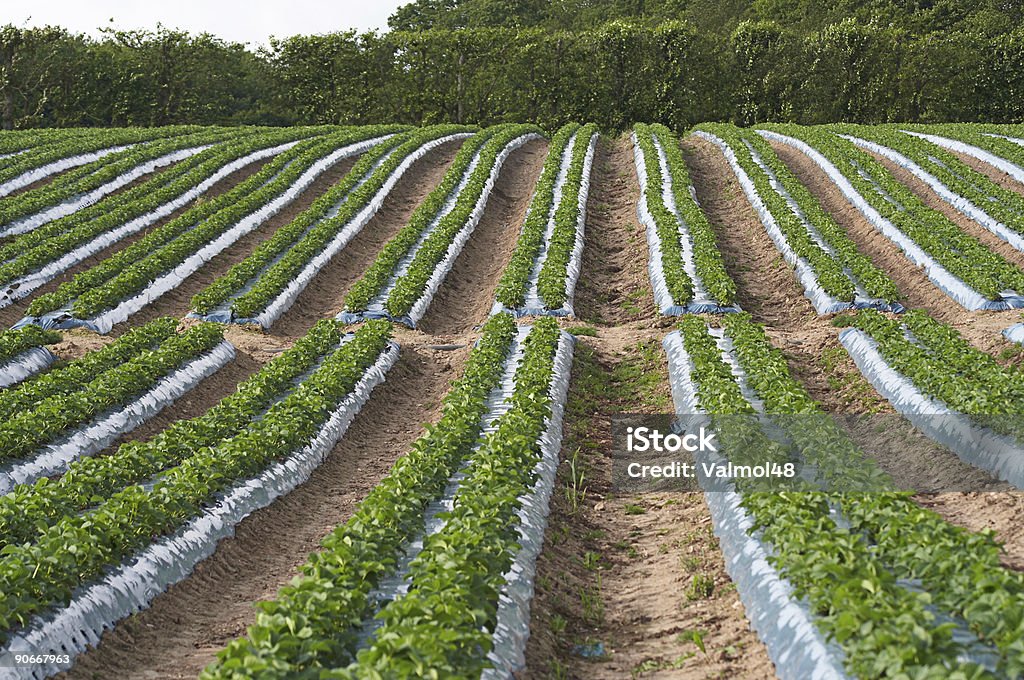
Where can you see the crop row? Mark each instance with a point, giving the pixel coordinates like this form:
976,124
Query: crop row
399,282
146,269
31,259
800,227
74,150
686,266
955,261
248,434
87,184
334,617
261,278
985,138
969,191
14,342
852,573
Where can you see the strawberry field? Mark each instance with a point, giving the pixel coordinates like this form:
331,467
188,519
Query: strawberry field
342,401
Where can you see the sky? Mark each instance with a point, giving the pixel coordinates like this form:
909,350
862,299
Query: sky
248,21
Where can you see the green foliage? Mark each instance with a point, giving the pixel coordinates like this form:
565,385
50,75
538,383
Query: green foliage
837,274
32,426
964,256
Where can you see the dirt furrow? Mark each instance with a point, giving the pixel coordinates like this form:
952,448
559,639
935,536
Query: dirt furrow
982,329
627,584
324,296
184,628
465,297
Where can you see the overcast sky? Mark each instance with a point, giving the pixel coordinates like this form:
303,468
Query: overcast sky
251,21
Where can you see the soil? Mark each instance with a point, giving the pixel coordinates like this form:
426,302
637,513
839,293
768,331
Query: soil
1001,178
982,329
178,301
469,286
325,294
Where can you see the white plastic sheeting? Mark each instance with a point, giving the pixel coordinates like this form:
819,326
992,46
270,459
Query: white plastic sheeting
44,171
973,444
19,288
995,161
131,587
945,193
76,203
25,365
784,623
102,431
1015,333
955,288
172,279
376,310
287,297
702,302
396,584
822,301
512,630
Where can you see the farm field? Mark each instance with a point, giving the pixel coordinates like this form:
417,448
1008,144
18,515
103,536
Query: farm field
347,401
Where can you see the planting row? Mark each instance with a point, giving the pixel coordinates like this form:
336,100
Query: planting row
956,394
853,578
998,146
433,573
84,186
834,274
122,284
541,276
82,551
66,151
972,193
264,285
80,408
30,260
957,263
403,279
685,266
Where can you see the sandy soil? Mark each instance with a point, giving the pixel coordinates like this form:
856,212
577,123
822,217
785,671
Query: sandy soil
178,301
185,627
10,315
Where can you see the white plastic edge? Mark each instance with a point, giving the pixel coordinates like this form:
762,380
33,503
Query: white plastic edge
75,203
956,289
995,161
783,623
36,174
287,297
163,284
963,205
512,628
25,365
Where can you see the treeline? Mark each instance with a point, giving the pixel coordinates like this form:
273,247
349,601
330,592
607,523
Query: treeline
619,73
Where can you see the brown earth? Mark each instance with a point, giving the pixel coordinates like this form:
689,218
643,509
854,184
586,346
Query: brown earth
10,315
617,571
